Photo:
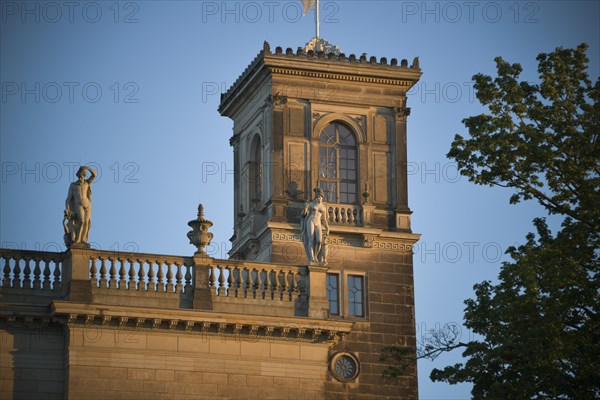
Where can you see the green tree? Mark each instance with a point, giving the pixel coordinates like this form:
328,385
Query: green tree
537,329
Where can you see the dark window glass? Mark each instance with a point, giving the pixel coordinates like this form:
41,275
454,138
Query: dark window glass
338,165
333,293
356,296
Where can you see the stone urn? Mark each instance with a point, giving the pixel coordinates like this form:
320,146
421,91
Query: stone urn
199,235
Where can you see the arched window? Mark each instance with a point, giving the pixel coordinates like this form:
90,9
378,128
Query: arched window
255,172
338,164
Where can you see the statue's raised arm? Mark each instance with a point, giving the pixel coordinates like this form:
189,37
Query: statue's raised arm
78,209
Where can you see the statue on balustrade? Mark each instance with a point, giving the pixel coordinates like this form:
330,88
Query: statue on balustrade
78,209
314,229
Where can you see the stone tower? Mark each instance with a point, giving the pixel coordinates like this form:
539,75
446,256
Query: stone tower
305,119
263,324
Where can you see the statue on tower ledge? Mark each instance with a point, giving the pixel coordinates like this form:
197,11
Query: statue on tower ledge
314,219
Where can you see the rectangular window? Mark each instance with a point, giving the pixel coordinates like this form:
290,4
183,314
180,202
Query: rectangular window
333,294
356,296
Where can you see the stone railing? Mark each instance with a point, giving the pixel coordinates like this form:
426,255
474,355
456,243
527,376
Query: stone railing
141,272
35,270
149,280
261,281
345,214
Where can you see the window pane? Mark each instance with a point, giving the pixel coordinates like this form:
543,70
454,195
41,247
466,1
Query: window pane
330,191
338,164
328,135
355,296
333,294
346,137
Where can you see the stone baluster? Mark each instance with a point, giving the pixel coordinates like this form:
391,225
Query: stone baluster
142,275
112,280
291,286
161,277
6,272
37,284
229,279
103,272
274,284
297,284
151,276
16,281
56,284
170,285
122,273
264,283
283,288
236,281
93,272
245,277
255,282
211,278
131,274
221,289
46,284
27,274
178,278
188,277
277,287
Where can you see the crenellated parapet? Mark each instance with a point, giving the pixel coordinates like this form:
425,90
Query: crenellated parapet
319,64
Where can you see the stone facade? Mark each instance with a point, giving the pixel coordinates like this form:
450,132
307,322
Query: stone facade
88,324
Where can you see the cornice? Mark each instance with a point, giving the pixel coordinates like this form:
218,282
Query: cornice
252,327
327,66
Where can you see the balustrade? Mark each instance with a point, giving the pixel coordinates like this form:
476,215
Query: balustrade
137,272
345,214
141,272
257,282
34,270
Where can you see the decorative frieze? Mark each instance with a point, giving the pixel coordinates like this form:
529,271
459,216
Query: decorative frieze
367,241
342,77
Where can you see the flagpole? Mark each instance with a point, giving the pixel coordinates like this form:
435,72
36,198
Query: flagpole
317,18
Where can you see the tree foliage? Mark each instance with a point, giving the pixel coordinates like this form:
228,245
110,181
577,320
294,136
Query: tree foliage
538,330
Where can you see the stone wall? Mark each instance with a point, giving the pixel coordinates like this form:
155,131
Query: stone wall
139,365
31,361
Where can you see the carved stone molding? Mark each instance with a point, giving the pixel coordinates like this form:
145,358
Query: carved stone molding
366,241
277,101
193,323
401,113
343,77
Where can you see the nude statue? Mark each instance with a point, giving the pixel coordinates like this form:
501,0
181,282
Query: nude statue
314,219
78,209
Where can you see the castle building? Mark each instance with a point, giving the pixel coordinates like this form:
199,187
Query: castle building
266,323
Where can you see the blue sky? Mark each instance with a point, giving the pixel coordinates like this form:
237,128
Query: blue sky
132,89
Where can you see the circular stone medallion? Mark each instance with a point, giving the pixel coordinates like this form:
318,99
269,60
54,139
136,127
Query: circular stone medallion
344,367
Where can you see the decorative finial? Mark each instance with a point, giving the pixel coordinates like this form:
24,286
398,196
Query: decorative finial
266,47
199,236
366,194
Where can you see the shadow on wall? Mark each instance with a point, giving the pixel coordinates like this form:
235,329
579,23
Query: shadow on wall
32,361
